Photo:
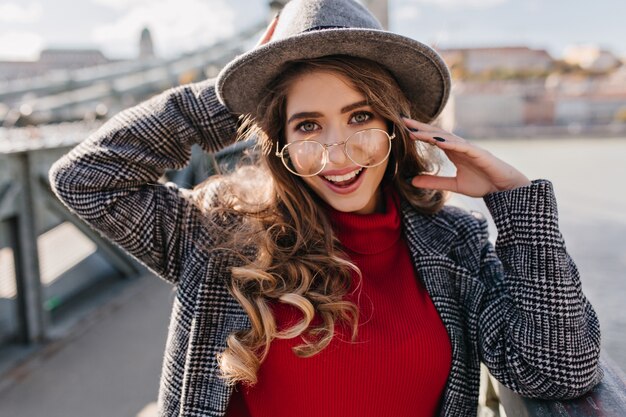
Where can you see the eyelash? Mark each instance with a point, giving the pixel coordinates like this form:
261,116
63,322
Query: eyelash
369,115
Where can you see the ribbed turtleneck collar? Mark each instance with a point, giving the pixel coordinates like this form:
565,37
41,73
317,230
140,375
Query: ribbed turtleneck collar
369,233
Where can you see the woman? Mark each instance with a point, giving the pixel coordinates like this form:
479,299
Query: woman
330,279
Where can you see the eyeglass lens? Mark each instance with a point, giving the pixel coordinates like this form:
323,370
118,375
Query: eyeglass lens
365,148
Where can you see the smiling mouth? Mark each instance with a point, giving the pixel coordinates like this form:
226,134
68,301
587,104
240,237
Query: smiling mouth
344,180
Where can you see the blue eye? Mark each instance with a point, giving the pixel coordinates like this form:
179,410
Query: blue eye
306,126
361,117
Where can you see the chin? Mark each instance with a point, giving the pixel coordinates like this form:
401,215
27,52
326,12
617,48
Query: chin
353,205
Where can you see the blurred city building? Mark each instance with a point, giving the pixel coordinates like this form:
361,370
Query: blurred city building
591,57
87,86
513,58
67,59
515,90
53,59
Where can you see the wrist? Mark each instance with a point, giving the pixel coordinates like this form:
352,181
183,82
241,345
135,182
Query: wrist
519,182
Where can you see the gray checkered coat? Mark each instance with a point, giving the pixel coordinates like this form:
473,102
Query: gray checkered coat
519,308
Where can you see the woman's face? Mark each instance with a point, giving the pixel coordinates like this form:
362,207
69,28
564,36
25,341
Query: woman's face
326,106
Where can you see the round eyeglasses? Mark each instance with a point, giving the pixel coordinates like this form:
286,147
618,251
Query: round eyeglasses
366,148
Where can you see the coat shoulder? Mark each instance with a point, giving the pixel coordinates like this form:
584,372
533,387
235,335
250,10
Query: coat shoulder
467,225
469,235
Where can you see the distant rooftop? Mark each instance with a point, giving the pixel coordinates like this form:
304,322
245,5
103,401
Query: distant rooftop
496,49
66,55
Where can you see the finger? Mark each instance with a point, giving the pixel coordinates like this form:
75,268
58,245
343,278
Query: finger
415,126
422,134
461,146
424,137
430,138
267,35
434,182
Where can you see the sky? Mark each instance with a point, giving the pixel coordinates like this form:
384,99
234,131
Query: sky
178,26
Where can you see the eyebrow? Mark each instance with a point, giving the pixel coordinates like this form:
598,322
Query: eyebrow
308,114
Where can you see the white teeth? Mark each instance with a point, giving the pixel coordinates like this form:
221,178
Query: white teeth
346,177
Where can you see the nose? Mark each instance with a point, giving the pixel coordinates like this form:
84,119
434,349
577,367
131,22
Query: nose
336,154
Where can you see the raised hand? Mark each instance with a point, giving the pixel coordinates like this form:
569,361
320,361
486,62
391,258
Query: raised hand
478,172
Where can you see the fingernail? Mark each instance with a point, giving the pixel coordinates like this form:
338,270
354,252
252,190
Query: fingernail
438,139
412,129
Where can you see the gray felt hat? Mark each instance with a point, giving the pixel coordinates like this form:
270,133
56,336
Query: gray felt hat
316,28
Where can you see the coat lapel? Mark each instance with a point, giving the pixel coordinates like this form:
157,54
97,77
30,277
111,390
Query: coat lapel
455,291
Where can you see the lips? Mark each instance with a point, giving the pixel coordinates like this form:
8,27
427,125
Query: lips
346,183
338,179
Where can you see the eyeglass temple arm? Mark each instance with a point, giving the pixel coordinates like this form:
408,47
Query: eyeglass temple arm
278,153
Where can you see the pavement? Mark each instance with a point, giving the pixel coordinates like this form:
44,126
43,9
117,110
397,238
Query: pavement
110,364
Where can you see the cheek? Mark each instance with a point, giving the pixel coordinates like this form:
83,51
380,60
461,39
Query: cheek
377,173
314,183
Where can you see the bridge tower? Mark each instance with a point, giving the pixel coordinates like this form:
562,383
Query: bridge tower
146,47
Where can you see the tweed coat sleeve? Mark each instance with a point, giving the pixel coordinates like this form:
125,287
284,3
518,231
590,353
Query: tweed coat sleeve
538,333
110,180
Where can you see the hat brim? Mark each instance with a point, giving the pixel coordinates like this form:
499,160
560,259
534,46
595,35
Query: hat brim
419,70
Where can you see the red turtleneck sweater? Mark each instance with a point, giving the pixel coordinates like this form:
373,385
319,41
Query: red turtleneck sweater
401,360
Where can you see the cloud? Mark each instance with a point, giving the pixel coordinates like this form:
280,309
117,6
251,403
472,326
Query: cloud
20,45
122,4
16,13
176,25
462,4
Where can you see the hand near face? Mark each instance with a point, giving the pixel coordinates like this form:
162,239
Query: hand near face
478,172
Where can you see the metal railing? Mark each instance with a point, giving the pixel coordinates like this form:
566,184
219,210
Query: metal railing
100,90
28,208
607,399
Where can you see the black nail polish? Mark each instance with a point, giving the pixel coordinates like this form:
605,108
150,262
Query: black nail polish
412,129
438,139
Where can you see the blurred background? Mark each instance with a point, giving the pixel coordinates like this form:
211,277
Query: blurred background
83,327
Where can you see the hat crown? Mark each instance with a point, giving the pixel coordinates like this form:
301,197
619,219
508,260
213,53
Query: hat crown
300,16
309,29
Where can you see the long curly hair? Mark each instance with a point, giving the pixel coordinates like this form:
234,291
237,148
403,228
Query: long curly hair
296,257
